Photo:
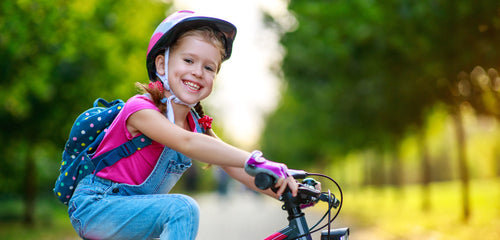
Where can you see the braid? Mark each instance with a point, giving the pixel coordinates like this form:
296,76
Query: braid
199,109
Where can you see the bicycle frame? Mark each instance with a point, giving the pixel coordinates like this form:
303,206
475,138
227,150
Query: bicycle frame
297,227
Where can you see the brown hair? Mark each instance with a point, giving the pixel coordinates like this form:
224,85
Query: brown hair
208,34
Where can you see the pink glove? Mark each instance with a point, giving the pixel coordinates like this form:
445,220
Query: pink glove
258,164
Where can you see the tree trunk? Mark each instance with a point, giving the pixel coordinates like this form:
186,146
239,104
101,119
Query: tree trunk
368,179
462,162
396,170
29,189
425,171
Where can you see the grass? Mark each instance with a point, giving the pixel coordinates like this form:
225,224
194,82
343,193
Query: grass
389,213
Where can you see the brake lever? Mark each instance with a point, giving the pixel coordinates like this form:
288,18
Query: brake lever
308,190
297,174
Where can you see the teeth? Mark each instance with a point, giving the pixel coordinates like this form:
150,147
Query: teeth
192,85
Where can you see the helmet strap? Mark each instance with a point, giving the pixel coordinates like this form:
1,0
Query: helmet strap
166,85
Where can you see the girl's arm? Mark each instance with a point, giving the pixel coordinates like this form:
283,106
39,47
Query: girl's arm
194,145
199,146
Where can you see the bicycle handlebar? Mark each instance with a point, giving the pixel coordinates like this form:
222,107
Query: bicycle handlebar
306,193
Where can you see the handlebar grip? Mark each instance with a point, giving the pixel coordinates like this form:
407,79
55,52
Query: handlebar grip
264,181
331,200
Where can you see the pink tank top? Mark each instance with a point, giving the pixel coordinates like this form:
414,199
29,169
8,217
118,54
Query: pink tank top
137,167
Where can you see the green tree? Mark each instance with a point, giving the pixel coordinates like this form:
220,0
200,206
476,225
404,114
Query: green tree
361,74
56,57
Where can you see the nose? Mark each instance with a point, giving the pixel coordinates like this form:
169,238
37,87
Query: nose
197,71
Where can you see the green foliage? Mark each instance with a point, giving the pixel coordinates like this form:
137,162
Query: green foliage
52,221
56,57
362,73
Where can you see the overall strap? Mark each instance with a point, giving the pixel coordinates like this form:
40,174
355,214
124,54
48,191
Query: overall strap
196,118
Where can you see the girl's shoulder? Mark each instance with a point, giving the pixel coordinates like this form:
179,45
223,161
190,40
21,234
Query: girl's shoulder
140,98
139,102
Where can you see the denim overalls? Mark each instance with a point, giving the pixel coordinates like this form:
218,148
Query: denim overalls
102,209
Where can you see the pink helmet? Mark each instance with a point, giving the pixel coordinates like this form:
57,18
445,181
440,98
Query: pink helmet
169,30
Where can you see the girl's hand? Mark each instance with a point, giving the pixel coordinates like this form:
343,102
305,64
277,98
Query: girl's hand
256,163
284,182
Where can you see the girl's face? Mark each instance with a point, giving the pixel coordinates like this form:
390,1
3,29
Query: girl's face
192,68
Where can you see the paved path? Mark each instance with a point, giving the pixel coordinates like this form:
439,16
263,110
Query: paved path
245,215
241,215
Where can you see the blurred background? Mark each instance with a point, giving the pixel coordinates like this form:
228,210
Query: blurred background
397,100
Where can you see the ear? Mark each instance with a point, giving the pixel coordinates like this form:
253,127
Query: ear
160,64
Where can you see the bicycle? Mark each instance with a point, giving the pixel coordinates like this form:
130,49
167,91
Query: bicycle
307,195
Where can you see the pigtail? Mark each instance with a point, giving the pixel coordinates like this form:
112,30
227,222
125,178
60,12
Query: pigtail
199,109
155,93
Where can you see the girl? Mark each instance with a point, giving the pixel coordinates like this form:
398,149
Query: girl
129,200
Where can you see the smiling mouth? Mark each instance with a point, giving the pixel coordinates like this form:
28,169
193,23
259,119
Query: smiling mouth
191,85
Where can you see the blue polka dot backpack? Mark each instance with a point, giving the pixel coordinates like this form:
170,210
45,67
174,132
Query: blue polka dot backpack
85,136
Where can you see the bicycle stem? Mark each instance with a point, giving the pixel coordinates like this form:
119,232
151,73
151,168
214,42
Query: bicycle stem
296,218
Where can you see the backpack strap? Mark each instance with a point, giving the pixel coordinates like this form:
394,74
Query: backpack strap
106,103
128,148
125,150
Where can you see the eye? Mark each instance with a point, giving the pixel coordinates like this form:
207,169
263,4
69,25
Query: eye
188,60
210,68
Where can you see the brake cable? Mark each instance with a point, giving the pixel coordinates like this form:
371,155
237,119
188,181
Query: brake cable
330,220
330,206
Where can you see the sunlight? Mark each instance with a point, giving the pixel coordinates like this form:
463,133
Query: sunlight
246,88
